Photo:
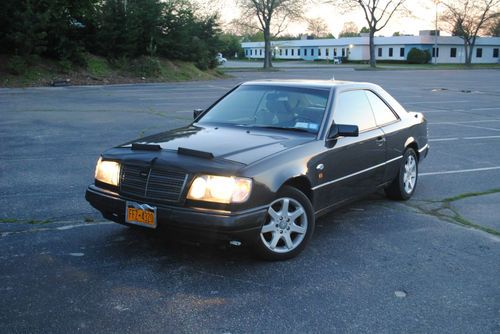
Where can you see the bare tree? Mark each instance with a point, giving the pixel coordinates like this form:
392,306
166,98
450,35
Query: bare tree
271,17
317,27
467,19
350,29
377,14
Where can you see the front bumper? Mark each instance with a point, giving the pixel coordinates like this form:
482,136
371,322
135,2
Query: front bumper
242,226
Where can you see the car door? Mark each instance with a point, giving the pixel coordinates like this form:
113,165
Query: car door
351,166
388,121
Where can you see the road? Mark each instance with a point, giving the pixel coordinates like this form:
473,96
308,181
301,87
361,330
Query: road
427,265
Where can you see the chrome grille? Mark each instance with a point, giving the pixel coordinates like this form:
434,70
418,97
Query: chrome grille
152,183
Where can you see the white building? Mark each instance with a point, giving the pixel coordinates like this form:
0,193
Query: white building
450,49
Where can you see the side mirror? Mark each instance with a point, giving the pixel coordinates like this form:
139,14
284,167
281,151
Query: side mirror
343,130
197,112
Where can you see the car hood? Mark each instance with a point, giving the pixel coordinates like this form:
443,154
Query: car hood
242,145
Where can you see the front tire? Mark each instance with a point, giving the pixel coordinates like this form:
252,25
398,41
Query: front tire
403,186
289,226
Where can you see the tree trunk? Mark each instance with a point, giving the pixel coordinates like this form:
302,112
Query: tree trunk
468,52
267,49
373,61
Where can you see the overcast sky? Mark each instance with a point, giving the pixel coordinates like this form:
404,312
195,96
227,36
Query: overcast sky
423,13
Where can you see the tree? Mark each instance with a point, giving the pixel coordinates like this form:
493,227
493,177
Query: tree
377,14
494,27
364,30
270,17
467,19
317,27
350,29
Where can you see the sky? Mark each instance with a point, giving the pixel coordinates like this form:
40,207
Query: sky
422,18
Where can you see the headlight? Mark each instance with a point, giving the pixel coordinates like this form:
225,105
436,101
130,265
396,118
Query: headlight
220,189
107,172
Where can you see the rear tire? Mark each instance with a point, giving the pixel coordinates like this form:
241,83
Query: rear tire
288,227
403,186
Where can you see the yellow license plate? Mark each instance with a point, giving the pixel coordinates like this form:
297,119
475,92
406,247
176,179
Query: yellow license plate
140,214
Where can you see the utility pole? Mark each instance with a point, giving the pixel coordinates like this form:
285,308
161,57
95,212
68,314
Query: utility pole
436,34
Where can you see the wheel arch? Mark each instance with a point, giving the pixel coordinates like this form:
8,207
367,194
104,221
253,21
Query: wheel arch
412,143
303,184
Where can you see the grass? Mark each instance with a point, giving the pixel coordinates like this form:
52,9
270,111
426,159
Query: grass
471,194
8,220
98,70
98,66
388,66
455,217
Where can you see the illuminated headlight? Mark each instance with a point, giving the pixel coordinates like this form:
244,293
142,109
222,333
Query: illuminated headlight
220,189
107,172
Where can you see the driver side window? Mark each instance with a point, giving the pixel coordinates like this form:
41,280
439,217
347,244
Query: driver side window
353,108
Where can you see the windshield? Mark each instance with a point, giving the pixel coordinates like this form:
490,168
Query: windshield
289,108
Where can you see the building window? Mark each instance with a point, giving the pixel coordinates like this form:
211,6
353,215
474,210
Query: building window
312,52
293,51
390,52
495,53
260,52
402,52
335,52
286,52
319,52
281,52
380,52
479,52
298,52
305,52
343,52
435,52
453,53
327,52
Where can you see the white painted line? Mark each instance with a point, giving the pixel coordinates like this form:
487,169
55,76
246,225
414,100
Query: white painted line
460,171
434,102
466,122
477,127
482,137
443,139
493,108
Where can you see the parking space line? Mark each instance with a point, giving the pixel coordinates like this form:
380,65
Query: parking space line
476,127
432,102
481,137
463,138
466,122
459,171
443,139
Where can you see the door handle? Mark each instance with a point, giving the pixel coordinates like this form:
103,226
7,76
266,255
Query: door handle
380,140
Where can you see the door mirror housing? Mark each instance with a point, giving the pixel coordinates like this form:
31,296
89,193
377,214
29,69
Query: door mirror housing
343,130
197,112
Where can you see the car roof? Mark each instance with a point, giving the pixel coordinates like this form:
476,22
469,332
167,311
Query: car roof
310,83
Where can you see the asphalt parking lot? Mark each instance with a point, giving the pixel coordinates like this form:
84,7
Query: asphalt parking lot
431,264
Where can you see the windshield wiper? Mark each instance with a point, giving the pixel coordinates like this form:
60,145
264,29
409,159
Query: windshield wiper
283,128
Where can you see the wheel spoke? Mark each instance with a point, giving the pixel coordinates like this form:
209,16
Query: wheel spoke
284,208
269,227
288,241
296,214
274,241
274,215
298,229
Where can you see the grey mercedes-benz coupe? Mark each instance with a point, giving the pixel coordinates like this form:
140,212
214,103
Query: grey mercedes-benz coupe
263,162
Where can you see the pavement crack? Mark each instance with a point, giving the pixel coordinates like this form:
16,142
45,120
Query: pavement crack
444,211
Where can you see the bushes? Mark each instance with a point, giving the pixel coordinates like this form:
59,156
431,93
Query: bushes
67,30
418,56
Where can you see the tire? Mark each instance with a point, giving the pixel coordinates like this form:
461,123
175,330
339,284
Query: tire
405,183
285,234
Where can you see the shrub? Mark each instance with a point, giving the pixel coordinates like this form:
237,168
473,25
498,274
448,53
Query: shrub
418,56
146,66
17,65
